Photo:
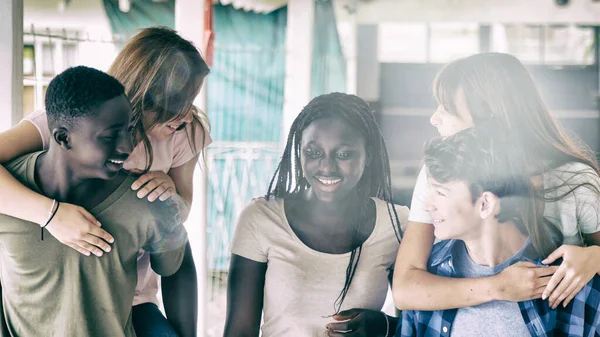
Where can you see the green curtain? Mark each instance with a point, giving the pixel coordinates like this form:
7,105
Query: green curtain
329,65
245,107
142,14
245,87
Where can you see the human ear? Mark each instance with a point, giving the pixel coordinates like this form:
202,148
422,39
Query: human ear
61,137
489,204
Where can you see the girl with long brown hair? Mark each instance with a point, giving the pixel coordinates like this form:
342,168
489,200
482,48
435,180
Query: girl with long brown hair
495,88
162,74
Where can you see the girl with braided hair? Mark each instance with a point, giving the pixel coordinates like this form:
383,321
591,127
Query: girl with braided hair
315,255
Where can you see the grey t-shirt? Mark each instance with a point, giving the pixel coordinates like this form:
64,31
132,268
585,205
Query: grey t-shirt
497,318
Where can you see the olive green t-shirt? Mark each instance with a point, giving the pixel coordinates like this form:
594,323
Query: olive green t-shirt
49,289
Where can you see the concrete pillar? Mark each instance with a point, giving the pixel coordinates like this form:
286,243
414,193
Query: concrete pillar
189,23
11,58
485,38
367,65
298,62
348,39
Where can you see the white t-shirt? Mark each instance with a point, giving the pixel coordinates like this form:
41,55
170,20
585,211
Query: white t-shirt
167,154
301,284
575,215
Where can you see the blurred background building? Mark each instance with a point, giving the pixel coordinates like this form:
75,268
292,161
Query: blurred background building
270,57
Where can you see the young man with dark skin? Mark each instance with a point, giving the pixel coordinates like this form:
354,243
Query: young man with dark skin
50,289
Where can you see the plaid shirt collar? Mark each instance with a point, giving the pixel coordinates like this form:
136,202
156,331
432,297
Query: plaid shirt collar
580,318
442,256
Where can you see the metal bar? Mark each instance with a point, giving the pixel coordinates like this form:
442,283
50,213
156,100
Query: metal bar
66,38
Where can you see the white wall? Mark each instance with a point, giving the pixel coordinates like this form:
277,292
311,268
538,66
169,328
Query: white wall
81,15
87,17
298,61
11,73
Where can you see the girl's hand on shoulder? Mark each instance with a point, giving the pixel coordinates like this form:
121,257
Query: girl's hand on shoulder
522,281
77,228
155,185
359,323
578,267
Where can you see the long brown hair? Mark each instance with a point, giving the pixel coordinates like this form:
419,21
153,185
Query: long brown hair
162,74
498,90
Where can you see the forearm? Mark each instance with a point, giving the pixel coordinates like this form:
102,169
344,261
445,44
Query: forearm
418,289
183,178
187,196
593,242
414,288
185,209
596,252
180,297
245,293
20,202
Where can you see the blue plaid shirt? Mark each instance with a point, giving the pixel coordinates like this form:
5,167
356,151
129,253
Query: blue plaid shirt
580,318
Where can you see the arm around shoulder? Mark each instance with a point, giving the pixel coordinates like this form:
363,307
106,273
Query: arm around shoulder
414,288
22,139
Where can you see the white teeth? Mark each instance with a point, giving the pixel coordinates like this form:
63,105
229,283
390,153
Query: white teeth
437,221
329,181
118,162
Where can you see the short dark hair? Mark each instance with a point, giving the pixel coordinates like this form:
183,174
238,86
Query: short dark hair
75,93
485,162
488,159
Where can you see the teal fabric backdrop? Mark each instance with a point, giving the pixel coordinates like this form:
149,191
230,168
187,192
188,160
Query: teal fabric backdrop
245,87
245,106
244,100
143,13
329,64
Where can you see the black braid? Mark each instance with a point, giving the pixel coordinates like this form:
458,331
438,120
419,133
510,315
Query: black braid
376,180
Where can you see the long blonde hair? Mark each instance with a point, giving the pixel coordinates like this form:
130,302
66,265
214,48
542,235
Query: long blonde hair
162,74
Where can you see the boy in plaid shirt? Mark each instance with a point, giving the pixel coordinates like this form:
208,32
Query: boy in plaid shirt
486,210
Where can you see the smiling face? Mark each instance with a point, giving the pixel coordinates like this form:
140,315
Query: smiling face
166,130
454,214
333,158
449,123
101,142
